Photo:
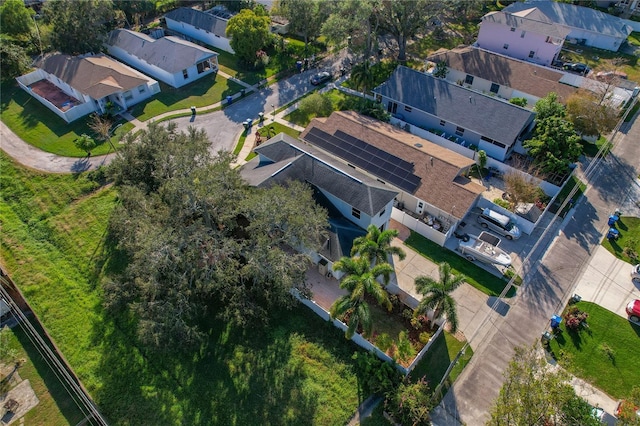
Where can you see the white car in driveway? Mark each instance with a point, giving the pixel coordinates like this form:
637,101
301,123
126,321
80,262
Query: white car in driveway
635,274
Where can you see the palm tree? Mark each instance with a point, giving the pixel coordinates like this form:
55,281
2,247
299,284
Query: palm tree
362,76
376,246
437,297
360,279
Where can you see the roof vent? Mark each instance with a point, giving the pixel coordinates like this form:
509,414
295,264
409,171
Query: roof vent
418,145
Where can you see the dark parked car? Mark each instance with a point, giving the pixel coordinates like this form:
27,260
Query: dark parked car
577,67
320,78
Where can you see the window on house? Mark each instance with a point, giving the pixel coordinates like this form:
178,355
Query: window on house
128,95
522,34
532,53
442,122
494,88
382,212
468,79
486,139
185,74
392,107
501,145
513,29
505,46
355,212
142,89
407,108
459,131
549,40
203,66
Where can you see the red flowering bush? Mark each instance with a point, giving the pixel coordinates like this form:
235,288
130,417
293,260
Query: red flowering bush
574,318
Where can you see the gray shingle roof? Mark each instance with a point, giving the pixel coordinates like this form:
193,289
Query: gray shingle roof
171,54
482,114
196,18
96,76
520,75
576,17
291,159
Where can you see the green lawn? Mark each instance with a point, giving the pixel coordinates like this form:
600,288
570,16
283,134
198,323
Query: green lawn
475,275
203,92
296,370
38,126
55,407
605,354
629,241
634,38
564,193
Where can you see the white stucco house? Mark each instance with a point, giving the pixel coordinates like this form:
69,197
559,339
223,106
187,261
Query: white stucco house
208,27
74,86
536,30
526,35
170,59
472,118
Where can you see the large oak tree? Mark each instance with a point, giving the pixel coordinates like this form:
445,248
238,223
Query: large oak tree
200,242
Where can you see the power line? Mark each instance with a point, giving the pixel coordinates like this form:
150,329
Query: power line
77,394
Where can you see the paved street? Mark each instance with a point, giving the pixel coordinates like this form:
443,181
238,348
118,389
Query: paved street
551,277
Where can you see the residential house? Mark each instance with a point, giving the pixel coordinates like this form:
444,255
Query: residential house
491,72
586,26
527,35
208,27
430,180
536,30
354,200
74,86
169,59
489,123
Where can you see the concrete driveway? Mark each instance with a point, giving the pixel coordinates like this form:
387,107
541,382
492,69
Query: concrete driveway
224,127
607,282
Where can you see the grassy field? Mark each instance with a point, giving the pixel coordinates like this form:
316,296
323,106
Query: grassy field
629,241
204,92
38,126
476,276
55,406
298,370
605,354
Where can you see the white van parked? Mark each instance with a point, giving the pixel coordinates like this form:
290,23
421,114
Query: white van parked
499,223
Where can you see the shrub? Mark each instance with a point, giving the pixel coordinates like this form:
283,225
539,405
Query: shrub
519,101
317,104
502,203
411,403
384,342
406,351
574,318
375,376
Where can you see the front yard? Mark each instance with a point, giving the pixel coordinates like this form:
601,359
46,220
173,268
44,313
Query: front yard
627,246
204,92
605,354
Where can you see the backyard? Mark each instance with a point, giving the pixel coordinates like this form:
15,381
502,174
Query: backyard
55,407
602,60
605,354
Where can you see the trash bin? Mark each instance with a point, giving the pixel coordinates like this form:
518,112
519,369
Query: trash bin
612,220
555,321
193,110
229,100
299,66
261,116
613,234
242,92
